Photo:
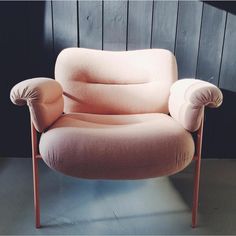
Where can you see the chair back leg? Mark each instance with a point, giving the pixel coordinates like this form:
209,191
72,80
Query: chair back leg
35,175
197,174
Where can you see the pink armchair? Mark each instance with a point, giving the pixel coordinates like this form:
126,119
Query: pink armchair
116,115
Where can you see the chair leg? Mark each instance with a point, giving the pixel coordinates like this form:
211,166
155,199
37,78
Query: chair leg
197,175
35,175
196,193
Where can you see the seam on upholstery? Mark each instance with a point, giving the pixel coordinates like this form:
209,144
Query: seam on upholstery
87,82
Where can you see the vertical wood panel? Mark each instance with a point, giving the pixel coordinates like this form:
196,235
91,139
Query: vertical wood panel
226,115
211,43
139,24
164,24
40,38
48,28
65,25
228,68
115,25
208,69
90,24
188,32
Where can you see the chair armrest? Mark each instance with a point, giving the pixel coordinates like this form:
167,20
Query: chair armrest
43,97
188,98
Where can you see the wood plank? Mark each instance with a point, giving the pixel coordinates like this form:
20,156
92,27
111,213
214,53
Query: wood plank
48,41
115,25
228,68
164,24
208,68
90,24
139,24
210,53
64,25
40,39
188,31
224,138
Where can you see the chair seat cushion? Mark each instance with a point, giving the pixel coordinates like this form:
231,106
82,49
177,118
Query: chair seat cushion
117,146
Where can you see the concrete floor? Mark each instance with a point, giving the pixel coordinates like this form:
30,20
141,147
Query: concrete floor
155,206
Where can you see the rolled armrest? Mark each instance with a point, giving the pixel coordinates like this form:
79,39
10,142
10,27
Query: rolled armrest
43,97
188,98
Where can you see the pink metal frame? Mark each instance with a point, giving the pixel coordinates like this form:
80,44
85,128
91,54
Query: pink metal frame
36,156
197,158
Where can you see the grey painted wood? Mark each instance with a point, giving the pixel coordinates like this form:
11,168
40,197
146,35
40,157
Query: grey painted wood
48,27
115,25
64,24
228,68
211,43
90,24
188,31
164,24
41,38
139,24
209,59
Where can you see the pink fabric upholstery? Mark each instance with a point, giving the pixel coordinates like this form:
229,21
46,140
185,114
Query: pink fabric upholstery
115,126
117,146
44,98
105,82
188,98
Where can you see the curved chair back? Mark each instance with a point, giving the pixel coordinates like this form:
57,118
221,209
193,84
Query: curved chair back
106,82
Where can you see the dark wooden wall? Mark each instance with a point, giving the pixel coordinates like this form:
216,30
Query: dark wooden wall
201,34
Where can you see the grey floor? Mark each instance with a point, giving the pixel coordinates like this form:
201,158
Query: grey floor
155,206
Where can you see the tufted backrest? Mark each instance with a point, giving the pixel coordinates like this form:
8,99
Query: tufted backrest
106,82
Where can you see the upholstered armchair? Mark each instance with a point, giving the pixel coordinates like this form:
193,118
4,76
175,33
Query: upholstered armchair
116,115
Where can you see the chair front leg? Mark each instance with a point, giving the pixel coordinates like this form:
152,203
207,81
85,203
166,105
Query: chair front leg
197,174
35,175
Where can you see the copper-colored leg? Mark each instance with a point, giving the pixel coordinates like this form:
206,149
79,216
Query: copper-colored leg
196,193
35,175
197,175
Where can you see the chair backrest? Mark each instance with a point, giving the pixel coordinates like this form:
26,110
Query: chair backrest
108,82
